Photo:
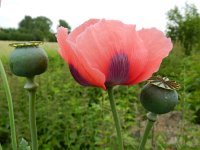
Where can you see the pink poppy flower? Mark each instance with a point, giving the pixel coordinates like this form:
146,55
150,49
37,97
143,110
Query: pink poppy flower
105,53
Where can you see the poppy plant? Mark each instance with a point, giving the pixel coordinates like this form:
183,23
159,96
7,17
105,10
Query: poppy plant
105,53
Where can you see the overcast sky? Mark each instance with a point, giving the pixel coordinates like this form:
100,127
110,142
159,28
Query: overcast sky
143,13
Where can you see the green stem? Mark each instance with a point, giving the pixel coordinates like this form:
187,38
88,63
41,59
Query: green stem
10,107
151,119
115,117
31,86
0,147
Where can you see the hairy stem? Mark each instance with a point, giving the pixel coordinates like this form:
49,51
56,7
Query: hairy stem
116,118
0,147
31,86
10,107
151,119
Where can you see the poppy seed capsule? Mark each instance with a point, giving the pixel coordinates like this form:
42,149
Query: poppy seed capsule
157,99
28,60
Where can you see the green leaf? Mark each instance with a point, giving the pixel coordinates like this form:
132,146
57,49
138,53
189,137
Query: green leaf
23,145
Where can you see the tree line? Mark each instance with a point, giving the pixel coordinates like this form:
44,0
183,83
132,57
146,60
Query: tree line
183,26
32,29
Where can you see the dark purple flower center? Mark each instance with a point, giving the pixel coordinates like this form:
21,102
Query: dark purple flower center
77,76
118,70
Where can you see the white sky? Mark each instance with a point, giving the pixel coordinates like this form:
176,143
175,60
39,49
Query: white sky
143,13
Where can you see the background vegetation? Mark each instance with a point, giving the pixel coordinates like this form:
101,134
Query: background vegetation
184,26
32,29
73,117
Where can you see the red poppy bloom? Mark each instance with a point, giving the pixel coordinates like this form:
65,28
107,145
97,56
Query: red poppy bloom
108,52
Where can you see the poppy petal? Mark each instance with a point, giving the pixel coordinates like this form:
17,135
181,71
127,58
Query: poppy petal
73,35
81,71
158,47
118,70
102,43
78,77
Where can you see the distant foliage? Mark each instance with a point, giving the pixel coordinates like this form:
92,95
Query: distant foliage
184,27
14,34
63,23
32,29
39,27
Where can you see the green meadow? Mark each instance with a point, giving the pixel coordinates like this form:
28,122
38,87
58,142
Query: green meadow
70,116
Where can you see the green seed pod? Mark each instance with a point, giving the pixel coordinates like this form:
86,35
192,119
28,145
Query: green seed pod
159,96
27,59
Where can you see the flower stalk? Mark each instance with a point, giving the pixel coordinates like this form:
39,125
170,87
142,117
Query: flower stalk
116,118
31,87
150,122
28,60
10,107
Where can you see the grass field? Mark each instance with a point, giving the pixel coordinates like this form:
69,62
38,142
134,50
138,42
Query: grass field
5,49
73,117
